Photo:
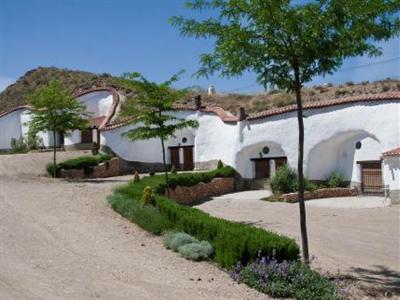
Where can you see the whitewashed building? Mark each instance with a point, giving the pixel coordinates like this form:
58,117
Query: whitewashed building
357,136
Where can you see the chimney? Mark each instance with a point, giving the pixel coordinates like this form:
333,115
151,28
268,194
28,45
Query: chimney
242,114
197,102
211,89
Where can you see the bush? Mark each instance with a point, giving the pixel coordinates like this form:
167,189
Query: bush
220,164
148,197
152,173
190,179
147,217
84,161
336,180
50,169
285,279
284,181
196,251
95,148
174,240
136,176
173,170
19,145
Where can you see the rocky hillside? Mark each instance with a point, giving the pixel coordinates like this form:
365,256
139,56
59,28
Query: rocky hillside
17,93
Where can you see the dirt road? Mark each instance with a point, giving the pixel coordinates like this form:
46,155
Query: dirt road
60,240
362,242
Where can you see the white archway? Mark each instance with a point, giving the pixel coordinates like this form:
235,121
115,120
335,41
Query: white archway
339,153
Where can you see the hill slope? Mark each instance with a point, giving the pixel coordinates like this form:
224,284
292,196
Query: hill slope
17,93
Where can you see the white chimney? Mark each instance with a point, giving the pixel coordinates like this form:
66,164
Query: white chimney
211,89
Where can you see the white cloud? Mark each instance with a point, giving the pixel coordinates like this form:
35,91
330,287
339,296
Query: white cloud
5,82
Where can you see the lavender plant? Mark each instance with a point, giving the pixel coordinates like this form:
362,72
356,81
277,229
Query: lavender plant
283,279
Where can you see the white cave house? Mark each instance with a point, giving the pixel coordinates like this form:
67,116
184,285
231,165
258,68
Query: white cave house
357,136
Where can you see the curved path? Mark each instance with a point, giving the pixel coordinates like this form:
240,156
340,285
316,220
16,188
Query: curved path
60,240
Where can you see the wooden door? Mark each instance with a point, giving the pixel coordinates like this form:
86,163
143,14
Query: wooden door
188,164
371,177
86,136
279,162
262,168
174,152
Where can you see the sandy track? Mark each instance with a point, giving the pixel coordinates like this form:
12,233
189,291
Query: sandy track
60,240
361,242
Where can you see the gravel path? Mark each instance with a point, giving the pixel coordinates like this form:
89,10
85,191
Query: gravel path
60,240
363,242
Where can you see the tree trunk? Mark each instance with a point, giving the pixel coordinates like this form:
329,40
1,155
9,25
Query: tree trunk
54,154
303,224
165,166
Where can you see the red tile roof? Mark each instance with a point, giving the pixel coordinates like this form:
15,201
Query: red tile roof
393,152
227,117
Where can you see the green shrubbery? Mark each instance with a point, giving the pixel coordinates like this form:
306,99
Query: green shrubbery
232,241
19,145
188,246
285,181
148,197
82,162
336,180
190,179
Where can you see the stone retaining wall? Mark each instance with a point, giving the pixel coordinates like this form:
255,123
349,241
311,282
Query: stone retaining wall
192,194
108,168
320,193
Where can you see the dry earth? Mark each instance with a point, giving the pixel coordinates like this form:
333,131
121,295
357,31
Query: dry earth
60,240
363,243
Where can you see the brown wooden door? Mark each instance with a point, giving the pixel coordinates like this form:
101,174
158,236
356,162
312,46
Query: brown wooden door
262,168
174,152
188,158
86,136
279,162
371,176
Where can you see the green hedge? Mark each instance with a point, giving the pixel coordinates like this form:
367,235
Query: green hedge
190,179
84,161
232,241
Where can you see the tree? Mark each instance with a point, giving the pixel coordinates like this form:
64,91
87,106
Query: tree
150,111
54,109
287,45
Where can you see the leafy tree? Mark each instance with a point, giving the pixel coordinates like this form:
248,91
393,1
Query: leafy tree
288,44
54,109
150,111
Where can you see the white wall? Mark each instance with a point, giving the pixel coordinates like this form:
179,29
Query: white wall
98,102
72,138
391,170
330,135
10,127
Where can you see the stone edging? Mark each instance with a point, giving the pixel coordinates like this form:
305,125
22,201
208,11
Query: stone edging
108,168
320,193
192,194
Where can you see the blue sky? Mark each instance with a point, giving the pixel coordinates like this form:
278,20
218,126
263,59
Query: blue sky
117,36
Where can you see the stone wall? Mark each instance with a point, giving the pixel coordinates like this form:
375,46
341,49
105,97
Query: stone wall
320,193
108,168
192,194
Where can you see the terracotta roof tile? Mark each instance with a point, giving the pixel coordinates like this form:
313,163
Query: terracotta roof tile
393,152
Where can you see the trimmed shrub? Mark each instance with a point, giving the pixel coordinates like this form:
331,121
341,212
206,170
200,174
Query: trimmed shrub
220,164
147,217
148,197
232,241
335,180
152,173
85,161
136,176
175,240
50,169
285,279
196,251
